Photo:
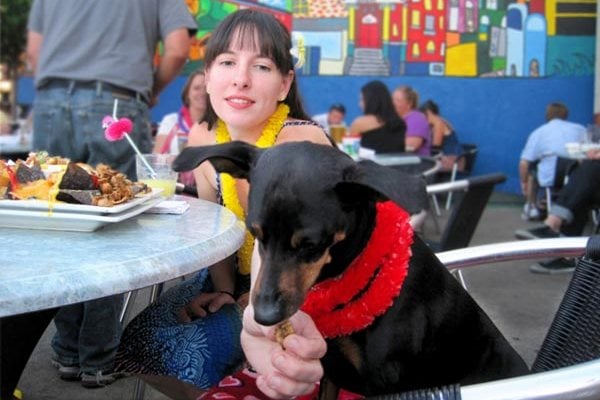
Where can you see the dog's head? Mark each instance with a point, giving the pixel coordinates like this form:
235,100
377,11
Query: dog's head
300,202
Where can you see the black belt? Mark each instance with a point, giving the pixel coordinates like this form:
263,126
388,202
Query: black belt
117,91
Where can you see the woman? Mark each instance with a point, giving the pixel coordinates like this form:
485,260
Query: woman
444,138
380,127
417,129
190,339
174,128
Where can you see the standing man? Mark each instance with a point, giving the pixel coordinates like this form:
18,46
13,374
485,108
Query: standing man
87,54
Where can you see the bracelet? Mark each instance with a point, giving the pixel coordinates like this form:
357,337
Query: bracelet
227,292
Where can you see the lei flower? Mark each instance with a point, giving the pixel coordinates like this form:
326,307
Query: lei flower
230,195
367,288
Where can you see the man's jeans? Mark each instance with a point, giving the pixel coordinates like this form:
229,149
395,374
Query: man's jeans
67,122
88,334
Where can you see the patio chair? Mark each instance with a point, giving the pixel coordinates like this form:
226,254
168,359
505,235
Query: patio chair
568,363
461,168
475,193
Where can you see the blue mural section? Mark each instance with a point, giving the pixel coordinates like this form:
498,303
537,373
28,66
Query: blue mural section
496,114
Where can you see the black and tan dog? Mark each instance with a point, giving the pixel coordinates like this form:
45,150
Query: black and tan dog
332,244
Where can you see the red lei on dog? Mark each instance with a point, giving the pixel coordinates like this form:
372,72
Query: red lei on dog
352,300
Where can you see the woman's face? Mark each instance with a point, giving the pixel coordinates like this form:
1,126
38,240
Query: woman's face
197,94
401,104
245,87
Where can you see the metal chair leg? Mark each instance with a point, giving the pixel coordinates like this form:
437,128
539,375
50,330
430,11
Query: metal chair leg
139,391
127,306
452,179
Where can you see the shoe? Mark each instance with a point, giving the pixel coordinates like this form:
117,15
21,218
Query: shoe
67,372
542,232
530,213
100,379
554,266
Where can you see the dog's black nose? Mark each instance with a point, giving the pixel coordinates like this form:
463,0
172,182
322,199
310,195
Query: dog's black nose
268,312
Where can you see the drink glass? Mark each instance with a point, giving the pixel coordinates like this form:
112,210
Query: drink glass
162,176
337,132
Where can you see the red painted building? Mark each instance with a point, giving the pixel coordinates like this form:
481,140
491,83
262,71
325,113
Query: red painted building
426,30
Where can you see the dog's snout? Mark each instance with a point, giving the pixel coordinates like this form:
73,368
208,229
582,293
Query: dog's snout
268,310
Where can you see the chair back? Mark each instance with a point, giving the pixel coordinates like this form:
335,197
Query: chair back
467,211
574,335
568,364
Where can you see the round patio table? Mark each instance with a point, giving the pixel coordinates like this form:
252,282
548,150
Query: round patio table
41,270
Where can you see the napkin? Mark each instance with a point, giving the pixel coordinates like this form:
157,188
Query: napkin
169,207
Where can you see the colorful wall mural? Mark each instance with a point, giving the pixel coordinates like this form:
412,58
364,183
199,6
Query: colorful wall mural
491,65
454,38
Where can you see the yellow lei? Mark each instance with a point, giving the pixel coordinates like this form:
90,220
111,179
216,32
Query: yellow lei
230,195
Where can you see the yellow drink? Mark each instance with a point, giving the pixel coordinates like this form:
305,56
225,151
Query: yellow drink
168,186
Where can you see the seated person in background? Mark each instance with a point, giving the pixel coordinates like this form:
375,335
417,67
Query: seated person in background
173,130
569,213
418,138
443,137
544,145
189,339
335,116
380,127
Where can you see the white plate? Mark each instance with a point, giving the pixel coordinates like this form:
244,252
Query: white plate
43,205
68,221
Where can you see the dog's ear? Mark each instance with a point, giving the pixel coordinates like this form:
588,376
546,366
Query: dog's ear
379,183
235,158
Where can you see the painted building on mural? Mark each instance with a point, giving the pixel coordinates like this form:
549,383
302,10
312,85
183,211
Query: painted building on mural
460,38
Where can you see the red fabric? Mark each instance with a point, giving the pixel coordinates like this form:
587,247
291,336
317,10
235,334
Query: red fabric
242,386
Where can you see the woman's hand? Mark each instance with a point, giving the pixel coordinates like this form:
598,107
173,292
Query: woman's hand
203,304
284,373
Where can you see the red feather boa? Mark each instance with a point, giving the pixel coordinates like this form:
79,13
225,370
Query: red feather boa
367,288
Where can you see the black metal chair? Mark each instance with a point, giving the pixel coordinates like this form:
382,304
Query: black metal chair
474,194
568,363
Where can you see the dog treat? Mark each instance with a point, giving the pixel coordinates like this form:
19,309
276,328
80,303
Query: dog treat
283,330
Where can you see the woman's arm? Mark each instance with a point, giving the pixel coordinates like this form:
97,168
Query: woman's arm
222,273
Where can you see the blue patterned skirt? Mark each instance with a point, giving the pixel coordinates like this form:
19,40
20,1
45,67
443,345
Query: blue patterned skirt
200,352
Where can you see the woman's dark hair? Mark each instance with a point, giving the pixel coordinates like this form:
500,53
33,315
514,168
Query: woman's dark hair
377,101
430,106
274,42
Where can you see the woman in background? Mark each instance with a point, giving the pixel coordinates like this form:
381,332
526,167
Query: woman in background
418,138
380,128
174,128
444,139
